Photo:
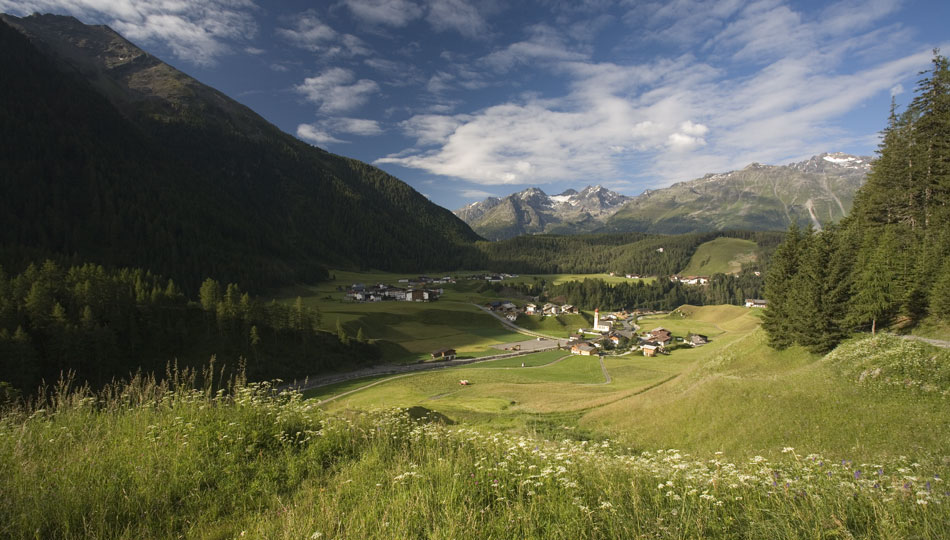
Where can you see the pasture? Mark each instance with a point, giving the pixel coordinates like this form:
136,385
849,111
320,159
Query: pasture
722,255
735,395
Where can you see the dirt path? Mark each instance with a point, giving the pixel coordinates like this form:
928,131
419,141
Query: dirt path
603,367
935,342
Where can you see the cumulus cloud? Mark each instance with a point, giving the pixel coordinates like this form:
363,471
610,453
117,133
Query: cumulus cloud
670,118
337,90
316,135
198,31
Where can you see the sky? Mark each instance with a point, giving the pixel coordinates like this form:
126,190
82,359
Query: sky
464,99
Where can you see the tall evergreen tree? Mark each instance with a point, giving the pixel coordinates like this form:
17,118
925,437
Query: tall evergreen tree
778,282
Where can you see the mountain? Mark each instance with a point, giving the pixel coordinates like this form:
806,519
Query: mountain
111,156
533,211
820,190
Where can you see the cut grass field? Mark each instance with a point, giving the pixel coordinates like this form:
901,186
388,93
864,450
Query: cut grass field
721,256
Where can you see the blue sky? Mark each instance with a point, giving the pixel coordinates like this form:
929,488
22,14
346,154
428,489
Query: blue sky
467,98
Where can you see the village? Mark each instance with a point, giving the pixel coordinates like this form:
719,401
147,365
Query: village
614,333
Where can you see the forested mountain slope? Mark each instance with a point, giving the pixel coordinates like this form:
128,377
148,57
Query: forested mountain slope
111,156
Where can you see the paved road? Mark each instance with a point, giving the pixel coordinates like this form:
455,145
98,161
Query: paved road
393,369
514,326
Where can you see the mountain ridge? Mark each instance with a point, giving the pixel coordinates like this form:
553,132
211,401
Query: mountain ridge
819,190
533,211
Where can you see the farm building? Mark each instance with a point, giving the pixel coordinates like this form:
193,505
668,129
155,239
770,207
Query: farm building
698,339
444,354
583,348
649,349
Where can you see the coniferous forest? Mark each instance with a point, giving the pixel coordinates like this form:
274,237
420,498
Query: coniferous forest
100,325
888,263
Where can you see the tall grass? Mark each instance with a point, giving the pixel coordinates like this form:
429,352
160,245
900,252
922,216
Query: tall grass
229,459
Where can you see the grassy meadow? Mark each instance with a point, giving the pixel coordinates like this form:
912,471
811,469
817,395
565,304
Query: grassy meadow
729,440
160,460
722,255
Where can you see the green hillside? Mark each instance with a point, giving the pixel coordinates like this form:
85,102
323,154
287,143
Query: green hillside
732,440
721,256
113,157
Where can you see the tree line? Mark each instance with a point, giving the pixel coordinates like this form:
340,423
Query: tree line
101,324
888,263
661,294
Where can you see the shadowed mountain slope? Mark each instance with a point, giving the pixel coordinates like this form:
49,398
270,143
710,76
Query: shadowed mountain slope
111,155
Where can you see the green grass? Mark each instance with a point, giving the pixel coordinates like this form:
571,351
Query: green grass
557,279
161,461
558,326
722,255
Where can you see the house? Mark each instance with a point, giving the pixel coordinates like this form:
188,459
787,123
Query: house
575,337
661,336
549,310
508,306
627,334
568,308
698,339
583,348
614,338
530,309
756,303
415,295
444,354
649,349
512,316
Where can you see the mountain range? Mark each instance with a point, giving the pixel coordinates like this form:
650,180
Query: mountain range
819,191
112,156
533,211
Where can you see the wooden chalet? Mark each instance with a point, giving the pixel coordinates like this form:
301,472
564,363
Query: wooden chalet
444,354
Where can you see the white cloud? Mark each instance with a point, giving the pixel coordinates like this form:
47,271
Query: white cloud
337,90
680,142
309,32
897,89
475,194
675,118
356,126
198,31
312,34
456,15
396,13
316,135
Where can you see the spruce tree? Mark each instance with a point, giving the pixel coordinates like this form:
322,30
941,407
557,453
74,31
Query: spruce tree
778,280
